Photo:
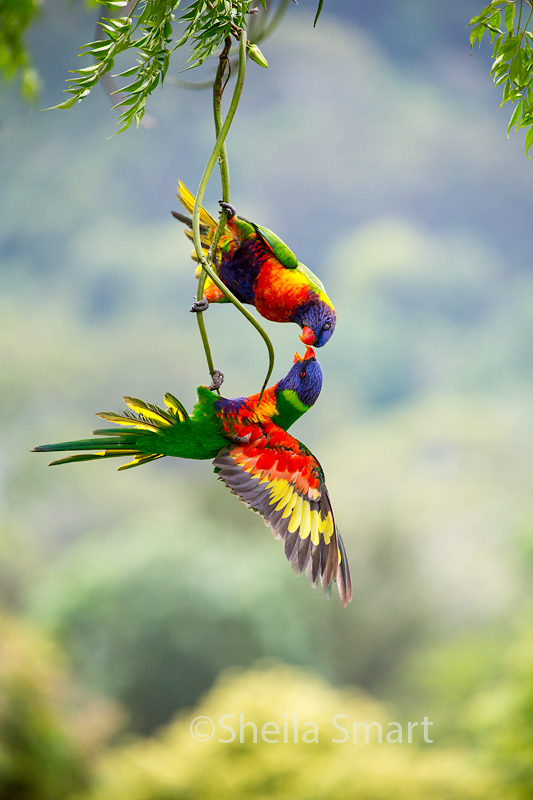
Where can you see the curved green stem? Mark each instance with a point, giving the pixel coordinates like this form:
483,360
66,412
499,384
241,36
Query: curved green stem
217,149
219,152
218,89
224,172
203,336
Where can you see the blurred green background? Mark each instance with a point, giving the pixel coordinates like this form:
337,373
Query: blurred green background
374,146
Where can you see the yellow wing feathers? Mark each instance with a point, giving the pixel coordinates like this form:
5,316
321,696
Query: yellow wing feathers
187,200
294,503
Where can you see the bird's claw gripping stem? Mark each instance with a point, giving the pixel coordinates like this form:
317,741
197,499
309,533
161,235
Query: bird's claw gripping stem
217,380
200,305
229,209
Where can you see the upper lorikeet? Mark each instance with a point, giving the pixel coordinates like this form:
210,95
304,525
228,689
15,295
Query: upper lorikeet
261,270
267,468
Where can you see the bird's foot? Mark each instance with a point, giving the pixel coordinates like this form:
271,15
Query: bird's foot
200,305
229,209
217,380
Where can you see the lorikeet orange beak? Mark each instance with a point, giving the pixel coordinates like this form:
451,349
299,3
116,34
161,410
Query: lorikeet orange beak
308,336
309,353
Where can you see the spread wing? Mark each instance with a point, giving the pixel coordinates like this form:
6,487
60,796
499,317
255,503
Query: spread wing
277,476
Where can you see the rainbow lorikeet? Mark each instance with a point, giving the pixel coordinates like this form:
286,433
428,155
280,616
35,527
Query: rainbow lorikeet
267,468
261,270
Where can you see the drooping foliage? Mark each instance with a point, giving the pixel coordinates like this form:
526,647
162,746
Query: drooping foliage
506,22
154,33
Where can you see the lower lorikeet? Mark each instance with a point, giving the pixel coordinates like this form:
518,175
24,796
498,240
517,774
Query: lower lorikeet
267,468
261,270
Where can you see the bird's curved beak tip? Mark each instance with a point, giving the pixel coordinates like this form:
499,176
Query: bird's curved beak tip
308,336
309,353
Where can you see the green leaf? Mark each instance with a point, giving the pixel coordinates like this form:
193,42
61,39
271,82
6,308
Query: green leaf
515,69
515,115
318,12
127,72
497,45
510,45
97,52
509,17
506,91
477,33
128,101
487,11
495,22
95,47
83,70
67,104
529,140
132,87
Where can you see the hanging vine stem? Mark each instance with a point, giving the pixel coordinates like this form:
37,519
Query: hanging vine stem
223,64
218,90
219,152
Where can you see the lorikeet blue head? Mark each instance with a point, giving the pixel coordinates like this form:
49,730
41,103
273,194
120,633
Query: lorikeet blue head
318,320
304,379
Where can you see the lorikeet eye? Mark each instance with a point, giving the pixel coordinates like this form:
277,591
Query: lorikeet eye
326,326
303,373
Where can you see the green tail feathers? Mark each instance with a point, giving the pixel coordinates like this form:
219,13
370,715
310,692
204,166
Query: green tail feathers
145,422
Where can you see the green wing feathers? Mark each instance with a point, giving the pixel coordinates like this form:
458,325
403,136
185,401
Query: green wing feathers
283,253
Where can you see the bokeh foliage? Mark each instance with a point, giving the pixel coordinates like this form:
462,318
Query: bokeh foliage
501,717
48,734
174,766
15,17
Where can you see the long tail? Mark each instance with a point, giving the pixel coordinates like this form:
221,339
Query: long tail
207,223
144,421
